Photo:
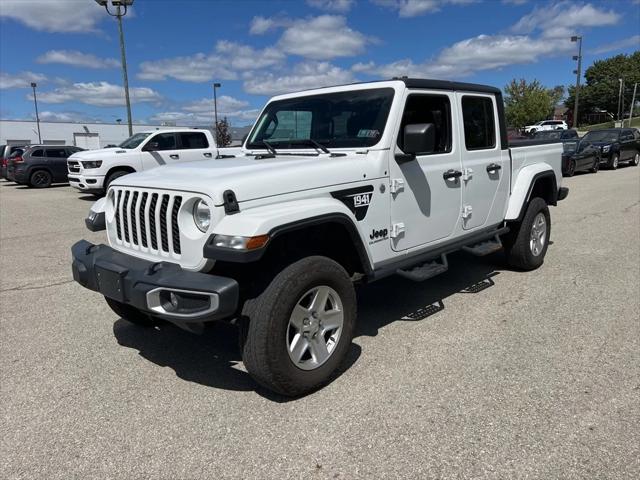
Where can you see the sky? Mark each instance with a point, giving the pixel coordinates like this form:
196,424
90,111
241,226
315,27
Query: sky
176,49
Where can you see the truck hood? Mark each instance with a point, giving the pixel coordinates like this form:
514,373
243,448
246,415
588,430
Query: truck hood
251,178
97,154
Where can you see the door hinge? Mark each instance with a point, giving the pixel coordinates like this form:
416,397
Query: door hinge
397,184
466,211
397,229
467,174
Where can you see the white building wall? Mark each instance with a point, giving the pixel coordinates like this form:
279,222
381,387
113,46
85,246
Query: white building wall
58,132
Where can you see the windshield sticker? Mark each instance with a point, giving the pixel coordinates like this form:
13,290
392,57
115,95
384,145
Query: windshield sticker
366,133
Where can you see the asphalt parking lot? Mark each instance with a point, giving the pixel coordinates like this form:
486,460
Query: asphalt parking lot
535,375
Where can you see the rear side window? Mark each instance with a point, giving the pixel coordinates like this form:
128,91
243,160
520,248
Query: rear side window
165,141
37,153
57,153
626,135
434,109
570,134
190,140
479,123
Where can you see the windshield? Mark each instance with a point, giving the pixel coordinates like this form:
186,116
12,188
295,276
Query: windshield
601,136
134,140
335,120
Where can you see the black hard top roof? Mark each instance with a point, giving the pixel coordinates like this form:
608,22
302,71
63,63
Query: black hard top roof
447,85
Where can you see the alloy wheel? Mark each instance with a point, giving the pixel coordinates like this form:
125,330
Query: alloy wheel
315,326
538,237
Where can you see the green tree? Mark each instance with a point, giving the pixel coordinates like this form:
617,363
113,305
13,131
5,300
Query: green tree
601,87
223,136
527,103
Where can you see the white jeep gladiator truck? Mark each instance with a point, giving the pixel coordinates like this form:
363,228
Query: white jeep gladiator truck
338,186
93,170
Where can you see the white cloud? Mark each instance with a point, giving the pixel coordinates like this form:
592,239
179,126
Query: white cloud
413,8
301,77
48,116
20,80
226,105
322,38
100,94
484,52
564,19
77,59
65,16
224,64
200,112
633,41
514,2
261,25
341,6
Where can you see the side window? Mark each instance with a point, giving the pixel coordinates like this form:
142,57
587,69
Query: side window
193,140
165,141
37,153
57,152
435,109
626,135
479,123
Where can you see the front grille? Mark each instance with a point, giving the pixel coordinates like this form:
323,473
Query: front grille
74,167
147,219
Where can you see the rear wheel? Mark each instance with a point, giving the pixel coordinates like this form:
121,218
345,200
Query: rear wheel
301,326
40,179
526,244
131,314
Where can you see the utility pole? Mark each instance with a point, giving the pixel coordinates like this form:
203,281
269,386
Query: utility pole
35,102
121,11
215,109
621,81
578,72
633,101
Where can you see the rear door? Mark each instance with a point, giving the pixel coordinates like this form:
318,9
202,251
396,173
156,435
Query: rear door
194,146
57,162
627,145
425,207
485,165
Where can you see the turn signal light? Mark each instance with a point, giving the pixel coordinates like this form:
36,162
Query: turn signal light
256,242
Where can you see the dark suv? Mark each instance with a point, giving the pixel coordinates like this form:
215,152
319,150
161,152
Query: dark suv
40,165
5,152
617,145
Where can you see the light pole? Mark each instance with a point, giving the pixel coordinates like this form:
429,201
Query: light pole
35,102
578,72
215,109
121,10
621,82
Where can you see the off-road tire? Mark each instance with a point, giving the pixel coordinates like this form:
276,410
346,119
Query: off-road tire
265,353
40,179
516,243
131,314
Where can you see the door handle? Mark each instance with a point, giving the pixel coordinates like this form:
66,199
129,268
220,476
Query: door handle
492,167
449,174
174,156
207,154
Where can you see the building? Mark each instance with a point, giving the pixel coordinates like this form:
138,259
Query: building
84,134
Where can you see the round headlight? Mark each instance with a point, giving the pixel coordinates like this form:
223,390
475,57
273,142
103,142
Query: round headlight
202,215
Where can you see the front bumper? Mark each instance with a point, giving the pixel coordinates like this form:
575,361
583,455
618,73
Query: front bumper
86,183
147,285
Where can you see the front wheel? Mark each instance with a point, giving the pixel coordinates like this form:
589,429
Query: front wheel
526,244
596,165
615,160
571,169
300,327
635,160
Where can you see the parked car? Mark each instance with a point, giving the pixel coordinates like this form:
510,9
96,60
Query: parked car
617,145
40,165
5,153
92,171
515,134
579,156
562,135
546,125
339,185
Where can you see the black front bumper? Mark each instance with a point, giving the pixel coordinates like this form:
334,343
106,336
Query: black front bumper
134,281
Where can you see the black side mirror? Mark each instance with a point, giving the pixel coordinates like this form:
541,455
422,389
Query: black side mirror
419,138
151,147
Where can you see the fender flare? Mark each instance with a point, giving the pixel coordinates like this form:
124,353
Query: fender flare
278,219
521,192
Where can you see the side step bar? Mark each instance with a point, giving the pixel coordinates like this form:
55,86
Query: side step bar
426,270
486,247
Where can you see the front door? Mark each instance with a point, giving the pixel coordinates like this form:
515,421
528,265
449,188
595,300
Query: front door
164,152
425,206
485,174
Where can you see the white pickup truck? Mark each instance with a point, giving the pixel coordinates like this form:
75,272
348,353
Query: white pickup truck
92,171
339,185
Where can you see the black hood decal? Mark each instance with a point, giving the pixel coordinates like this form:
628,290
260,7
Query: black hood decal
356,199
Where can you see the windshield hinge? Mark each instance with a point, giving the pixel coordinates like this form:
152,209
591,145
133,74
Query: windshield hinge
397,184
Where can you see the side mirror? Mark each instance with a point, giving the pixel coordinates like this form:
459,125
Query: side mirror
419,138
151,147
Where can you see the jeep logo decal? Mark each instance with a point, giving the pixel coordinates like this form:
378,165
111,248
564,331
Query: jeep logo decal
378,235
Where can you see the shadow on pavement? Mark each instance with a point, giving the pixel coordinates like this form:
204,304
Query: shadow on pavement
213,358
